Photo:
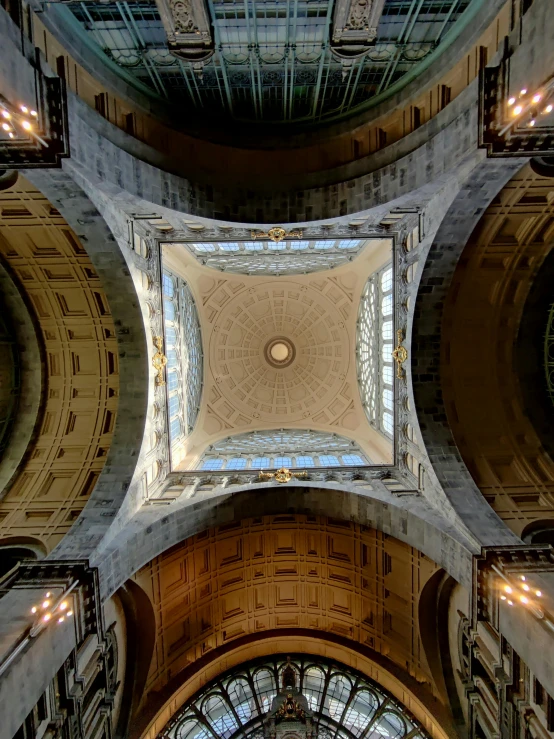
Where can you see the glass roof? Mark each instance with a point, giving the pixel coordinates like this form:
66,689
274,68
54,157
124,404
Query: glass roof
345,704
273,60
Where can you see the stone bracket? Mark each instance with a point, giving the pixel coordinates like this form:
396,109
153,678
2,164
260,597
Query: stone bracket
354,29
189,31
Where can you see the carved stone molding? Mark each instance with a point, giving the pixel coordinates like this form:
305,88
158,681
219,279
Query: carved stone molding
354,29
188,28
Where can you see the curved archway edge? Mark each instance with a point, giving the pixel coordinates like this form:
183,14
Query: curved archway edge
406,689
410,519
479,189
113,489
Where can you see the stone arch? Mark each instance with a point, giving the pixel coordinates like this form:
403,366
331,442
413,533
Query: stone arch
539,532
312,642
15,549
478,190
114,484
153,530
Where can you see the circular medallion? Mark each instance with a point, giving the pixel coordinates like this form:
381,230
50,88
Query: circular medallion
279,352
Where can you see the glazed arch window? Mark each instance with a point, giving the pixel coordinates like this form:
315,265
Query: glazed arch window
290,448
183,349
375,344
345,703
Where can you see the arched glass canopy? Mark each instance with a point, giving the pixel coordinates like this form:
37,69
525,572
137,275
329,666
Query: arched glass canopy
290,448
345,703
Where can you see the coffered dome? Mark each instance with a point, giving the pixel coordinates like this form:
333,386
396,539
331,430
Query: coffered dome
282,349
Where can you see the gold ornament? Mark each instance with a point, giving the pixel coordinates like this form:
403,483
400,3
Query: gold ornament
282,475
159,360
400,354
276,234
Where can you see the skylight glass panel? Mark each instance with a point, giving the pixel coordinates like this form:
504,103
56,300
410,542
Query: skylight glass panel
386,280
328,460
237,463
168,286
231,246
305,462
352,459
349,243
299,245
202,248
212,464
169,310
261,463
386,305
324,244
253,246
282,462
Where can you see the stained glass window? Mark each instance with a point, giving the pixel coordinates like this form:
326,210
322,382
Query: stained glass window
345,703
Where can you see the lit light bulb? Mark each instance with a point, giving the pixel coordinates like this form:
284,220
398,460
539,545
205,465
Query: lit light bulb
6,114
532,122
70,613
523,599
526,587
23,109
502,597
548,109
522,577
511,101
47,617
538,593
34,609
507,588
63,605
61,619
518,109
524,91
26,125
34,113
10,135
48,595
537,98
6,126
46,604
510,603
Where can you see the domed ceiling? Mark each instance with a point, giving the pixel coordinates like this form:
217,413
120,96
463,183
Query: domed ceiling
275,61
280,352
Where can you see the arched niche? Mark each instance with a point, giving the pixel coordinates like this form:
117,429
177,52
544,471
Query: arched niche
16,549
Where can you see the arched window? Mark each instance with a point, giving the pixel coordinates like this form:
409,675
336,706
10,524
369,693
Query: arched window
374,350
183,349
287,257
290,448
345,703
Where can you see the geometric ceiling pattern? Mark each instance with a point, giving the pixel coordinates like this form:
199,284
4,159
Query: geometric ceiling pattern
273,60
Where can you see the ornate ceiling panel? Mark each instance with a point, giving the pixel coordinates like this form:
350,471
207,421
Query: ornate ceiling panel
81,371
286,572
311,319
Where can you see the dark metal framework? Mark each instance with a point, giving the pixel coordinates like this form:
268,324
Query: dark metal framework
345,703
273,59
